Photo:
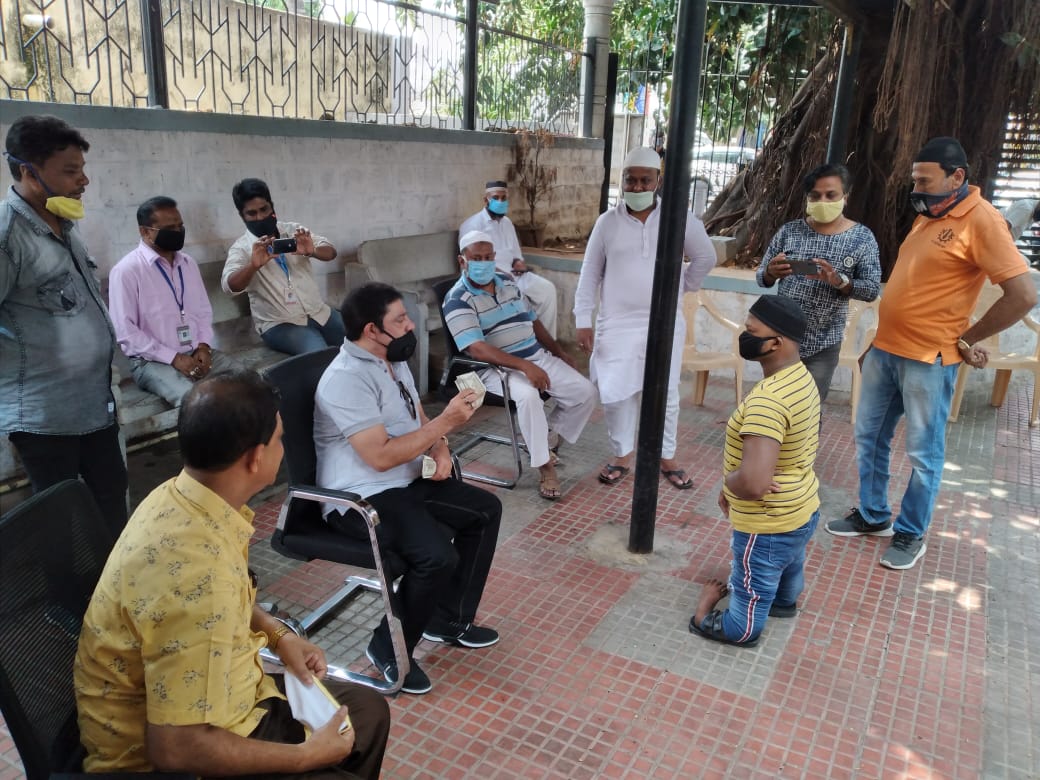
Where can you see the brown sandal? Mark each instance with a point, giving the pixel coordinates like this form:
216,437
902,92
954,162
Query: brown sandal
549,487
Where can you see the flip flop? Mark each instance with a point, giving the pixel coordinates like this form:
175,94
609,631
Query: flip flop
549,488
684,483
612,474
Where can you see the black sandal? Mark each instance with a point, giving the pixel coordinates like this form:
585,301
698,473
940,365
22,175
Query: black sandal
714,630
684,483
612,474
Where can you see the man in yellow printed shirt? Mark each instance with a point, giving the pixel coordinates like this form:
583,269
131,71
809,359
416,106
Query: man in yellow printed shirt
167,675
770,492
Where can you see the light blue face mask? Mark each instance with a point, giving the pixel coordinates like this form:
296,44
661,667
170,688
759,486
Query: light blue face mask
480,272
499,207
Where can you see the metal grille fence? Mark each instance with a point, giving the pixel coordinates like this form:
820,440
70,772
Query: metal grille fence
370,61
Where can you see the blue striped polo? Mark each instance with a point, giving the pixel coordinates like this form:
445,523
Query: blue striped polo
502,319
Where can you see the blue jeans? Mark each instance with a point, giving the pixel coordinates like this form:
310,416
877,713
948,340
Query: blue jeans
767,568
297,339
892,387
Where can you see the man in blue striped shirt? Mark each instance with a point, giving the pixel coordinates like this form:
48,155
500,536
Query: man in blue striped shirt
490,321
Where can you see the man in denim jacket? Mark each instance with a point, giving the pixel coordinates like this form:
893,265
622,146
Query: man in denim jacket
56,340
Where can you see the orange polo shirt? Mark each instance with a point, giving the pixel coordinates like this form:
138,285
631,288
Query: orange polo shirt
938,276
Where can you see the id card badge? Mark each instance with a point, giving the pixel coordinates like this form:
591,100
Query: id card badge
290,295
184,335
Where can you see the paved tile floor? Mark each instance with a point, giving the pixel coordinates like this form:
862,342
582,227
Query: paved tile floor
929,673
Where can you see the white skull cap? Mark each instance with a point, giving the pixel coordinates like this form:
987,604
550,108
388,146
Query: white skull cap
474,237
643,157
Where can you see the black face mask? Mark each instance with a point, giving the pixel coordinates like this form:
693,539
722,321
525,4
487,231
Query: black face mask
750,346
268,226
401,348
169,240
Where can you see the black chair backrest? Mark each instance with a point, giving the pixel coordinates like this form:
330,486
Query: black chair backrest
440,291
53,548
296,379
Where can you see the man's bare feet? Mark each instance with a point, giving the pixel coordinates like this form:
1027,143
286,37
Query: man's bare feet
714,590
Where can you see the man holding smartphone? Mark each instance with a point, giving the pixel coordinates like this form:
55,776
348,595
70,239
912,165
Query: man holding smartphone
821,261
271,263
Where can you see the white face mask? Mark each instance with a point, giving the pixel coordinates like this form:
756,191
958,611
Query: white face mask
639,201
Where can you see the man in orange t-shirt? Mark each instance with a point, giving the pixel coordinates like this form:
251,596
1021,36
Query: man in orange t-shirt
958,241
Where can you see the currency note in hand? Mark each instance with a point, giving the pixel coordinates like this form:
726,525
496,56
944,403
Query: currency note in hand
429,467
470,381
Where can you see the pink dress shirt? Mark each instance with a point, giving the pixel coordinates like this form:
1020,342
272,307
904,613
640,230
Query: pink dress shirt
144,309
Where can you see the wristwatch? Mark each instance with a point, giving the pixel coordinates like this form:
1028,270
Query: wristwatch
843,279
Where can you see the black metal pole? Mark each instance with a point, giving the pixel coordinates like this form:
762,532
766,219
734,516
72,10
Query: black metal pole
675,194
469,69
590,88
608,129
154,54
843,92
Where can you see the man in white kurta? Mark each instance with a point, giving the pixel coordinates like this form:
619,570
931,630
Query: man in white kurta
617,276
492,220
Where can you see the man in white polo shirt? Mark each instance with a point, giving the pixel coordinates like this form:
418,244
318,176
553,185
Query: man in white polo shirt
371,433
492,220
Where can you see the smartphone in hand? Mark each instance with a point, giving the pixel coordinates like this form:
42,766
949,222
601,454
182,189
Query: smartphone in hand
802,267
283,246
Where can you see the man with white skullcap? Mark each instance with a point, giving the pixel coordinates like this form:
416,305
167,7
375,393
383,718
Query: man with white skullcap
490,321
617,276
492,220
924,333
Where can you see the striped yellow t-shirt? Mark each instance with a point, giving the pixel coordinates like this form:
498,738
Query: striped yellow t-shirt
786,408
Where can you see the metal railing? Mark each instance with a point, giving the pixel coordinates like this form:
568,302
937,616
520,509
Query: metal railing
373,61
746,82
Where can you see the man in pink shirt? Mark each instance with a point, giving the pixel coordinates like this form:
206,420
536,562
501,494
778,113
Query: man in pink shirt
159,307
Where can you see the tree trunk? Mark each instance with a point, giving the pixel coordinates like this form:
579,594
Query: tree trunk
957,68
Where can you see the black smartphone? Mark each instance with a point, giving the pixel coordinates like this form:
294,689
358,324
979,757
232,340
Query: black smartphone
283,246
802,267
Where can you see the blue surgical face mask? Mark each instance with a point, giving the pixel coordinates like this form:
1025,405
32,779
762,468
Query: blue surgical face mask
480,272
498,207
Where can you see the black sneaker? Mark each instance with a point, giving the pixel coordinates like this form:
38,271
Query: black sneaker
904,551
460,634
777,611
854,524
416,681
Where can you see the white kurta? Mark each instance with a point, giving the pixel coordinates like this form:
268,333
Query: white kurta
617,275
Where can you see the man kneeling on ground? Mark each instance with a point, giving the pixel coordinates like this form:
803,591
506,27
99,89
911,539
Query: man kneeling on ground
168,675
770,492
371,434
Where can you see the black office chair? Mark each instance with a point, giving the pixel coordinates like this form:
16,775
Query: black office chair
304,535
53,548
457,363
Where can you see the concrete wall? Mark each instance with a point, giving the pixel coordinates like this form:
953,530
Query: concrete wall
348,182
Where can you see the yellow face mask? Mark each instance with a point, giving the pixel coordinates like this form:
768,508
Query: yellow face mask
67,208
823,212
58,205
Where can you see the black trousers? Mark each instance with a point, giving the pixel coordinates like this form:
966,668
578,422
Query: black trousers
369,715
95,456
446,532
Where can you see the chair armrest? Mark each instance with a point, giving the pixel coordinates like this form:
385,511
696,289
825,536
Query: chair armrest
340,498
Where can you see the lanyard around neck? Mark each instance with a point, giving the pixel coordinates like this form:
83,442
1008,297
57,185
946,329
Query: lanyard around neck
169,283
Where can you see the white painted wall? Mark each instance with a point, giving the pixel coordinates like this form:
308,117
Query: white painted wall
350,186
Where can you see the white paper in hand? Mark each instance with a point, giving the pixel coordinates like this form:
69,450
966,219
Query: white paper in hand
312,705
470,381
429,467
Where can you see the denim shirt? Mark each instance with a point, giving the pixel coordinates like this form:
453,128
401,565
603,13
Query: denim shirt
56,340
